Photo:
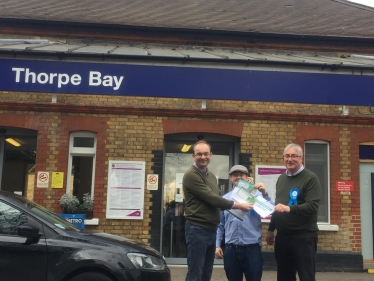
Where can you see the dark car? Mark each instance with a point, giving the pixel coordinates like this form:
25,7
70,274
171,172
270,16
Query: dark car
37,245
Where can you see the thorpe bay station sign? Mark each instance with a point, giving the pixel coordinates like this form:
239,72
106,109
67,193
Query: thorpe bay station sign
185,82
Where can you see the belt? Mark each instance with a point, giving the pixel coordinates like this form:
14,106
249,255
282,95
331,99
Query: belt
240,246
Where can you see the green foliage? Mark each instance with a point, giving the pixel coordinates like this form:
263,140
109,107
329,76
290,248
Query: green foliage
71,203
87,202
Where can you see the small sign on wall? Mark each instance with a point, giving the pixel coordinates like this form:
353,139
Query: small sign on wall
152,182
43,180
57,179
344,186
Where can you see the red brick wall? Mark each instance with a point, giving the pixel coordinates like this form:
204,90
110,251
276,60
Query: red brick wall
124,135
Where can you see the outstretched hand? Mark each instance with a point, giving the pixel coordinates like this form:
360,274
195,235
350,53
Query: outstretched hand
243,206
280,208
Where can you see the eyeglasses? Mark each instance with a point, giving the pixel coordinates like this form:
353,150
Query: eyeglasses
206,154
293,156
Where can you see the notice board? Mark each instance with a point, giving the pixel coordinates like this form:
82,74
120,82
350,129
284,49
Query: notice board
269,176
125,196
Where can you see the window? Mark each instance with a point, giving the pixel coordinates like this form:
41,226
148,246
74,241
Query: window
10,219
317,160
81,166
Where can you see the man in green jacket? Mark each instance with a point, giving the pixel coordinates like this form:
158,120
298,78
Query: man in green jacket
298,192
202,212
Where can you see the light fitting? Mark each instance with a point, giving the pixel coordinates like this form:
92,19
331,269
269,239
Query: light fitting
186,147
13,142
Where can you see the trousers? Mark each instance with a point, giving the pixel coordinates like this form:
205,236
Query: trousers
295,255
201,248
239,260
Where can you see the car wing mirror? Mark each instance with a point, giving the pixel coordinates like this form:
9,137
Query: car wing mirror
31,232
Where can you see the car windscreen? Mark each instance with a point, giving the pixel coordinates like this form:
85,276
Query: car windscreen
44,213
54,218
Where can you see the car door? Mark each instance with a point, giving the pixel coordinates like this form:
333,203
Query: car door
20,260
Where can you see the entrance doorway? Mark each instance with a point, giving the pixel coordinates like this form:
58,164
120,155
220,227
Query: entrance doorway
17,160
177,160
367,209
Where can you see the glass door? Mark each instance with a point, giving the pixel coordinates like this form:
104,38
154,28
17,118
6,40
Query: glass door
178,159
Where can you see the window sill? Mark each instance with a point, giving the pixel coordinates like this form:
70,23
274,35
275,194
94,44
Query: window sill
328,227
93,221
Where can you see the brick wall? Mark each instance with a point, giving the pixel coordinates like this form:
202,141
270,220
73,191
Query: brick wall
124,136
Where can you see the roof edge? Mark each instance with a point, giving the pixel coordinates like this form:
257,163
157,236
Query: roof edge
249,36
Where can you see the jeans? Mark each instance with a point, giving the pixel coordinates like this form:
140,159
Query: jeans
295,255
201,248
239,260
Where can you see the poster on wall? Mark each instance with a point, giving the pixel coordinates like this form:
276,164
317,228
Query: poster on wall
57,179
269,176
125,196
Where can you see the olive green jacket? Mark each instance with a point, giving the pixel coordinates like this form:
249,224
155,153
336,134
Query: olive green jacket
202,199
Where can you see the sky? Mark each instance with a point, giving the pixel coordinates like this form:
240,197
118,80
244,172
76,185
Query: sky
364,2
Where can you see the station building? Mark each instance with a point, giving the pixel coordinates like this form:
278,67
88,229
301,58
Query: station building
107,99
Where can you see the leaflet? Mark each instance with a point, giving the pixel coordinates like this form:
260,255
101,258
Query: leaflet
245,192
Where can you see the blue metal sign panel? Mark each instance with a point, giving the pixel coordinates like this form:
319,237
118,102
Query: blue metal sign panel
185,82
76,219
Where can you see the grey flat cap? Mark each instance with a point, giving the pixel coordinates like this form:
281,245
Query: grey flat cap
238,168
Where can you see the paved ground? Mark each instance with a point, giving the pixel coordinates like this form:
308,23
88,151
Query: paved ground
178,273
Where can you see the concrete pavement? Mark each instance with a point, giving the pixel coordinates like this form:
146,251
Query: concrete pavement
178,273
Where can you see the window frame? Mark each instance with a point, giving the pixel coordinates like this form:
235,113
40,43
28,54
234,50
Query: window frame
328,200
81,151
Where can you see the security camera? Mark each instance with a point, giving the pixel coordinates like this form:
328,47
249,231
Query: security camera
200,137
2,131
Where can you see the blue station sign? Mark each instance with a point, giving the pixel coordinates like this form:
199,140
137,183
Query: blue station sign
185,82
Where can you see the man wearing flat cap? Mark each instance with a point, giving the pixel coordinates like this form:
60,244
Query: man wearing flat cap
242,238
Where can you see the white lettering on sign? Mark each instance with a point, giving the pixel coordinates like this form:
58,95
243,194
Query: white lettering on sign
75,220
25,75
107,80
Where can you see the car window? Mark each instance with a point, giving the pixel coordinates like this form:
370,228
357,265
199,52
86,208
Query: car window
41,212
10,219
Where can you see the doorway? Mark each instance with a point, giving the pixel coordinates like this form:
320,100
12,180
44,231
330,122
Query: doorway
177,160
17,160
367,209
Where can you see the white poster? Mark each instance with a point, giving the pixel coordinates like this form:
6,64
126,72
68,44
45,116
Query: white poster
125,197
269,176
179,180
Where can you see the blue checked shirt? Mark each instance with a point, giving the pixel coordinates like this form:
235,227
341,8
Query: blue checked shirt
248,231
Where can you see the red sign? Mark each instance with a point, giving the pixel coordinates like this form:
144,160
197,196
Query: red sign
344,186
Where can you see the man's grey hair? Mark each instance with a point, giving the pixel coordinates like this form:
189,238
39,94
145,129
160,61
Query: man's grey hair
296,146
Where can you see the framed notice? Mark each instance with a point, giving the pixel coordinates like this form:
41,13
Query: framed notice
268,175
125,196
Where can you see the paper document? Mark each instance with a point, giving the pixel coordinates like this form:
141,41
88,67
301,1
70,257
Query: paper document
245,192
